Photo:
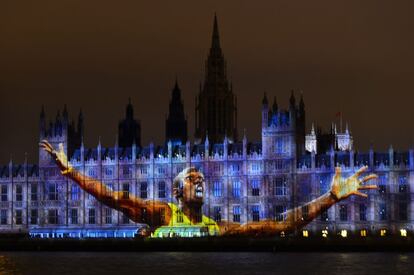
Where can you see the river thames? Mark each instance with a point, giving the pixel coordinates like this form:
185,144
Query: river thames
205,263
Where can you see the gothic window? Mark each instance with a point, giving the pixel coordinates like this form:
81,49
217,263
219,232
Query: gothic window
236,189
343,212
125,191
402,211
92,172
74,192
19,192
279,212
324,183
402,184
362,212
4,196
108,215
382,184
108,172
305,212
92,216
74,216
236,213
19,216
125,171
217,189
382,212
255,213
255,167
52,191
3,216
255,185
33,192
161,189
52,216
143,170
144,190
33,216
324,216
161,170
217,213
279,186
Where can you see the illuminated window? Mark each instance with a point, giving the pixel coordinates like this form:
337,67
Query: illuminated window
4,196
382,212
74,192
256,213
362,212
382,184
92,172
236,213
19,192
161,189
343,212
403,232
52,216
19,216
282,234
305,233
92,216
143,190
74,216
344,233
143,170
236,189
217,189
255,185
108,171
325,233
383,232
402,211
217,213
125,191
33,192
279,212
3,216
402,184
108,215
33,216
363,233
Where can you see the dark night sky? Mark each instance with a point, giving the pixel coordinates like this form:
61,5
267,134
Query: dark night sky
354,56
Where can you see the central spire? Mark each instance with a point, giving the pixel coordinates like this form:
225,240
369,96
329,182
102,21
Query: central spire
215,41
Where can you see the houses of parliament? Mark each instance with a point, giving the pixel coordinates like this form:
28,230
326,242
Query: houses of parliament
245,181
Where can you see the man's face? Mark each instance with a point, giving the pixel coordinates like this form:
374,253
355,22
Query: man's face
193,188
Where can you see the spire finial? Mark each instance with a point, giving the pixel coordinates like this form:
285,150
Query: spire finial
215,43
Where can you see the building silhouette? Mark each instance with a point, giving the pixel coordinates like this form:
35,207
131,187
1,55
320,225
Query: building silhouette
216,105
129,129
176,122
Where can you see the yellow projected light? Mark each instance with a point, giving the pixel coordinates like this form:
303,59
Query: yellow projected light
383,232
324,233
363,233
344,233
403,232
305,233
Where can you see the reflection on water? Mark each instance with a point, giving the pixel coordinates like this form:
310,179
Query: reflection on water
204,263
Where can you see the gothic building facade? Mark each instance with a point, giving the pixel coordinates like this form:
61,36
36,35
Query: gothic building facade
245,182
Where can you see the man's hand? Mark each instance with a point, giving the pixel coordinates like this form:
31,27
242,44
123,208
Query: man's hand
58,156
342,188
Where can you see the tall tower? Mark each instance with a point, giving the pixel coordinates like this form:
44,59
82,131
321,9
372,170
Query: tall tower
59,132
216,105
129,129
176,123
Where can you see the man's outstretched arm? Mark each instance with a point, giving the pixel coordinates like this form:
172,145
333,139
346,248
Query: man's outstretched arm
296,218
135,208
